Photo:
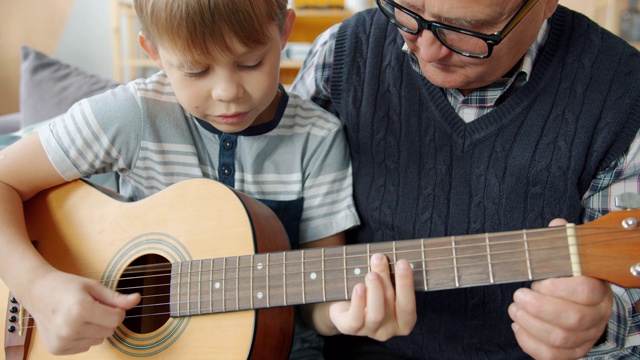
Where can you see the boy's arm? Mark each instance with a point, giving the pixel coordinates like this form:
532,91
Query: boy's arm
389,311
24,171
72,313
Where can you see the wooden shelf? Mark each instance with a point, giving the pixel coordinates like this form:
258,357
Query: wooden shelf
320,13
290,64
309,24
312,22
129,61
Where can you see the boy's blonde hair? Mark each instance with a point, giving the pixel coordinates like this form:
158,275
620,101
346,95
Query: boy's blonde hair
196,29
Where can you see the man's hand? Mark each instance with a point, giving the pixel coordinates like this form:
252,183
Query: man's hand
561,318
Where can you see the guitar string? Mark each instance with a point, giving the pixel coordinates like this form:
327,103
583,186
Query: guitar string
292,280
164,267
168,313
296,279
158,267
447,240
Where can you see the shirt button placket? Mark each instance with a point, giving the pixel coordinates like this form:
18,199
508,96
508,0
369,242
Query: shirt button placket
226,164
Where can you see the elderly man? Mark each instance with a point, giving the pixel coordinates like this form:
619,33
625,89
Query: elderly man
474,117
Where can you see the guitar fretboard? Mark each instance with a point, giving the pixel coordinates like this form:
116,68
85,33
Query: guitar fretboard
329,274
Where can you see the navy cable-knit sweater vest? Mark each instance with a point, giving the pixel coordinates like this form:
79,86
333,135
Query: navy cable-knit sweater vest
421,172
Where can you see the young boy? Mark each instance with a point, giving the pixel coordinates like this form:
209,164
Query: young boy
215,110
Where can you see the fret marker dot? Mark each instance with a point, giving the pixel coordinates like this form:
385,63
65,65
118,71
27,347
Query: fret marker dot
411,264
260,295
217,285
356,271
313,276
259,266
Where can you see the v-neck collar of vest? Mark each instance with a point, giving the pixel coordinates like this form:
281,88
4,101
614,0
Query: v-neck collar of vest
515,107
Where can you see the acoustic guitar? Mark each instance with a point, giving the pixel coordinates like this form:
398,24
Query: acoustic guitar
218,280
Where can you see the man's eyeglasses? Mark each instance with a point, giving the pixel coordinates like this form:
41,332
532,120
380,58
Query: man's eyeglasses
464,42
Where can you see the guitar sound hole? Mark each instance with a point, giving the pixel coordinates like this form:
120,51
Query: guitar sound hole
150,276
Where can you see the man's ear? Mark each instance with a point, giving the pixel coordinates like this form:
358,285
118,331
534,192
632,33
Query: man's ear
149,49
287,27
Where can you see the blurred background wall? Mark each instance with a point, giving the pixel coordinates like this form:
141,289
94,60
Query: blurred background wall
74,31
79,32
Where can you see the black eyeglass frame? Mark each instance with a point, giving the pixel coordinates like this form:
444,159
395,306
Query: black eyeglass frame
433,26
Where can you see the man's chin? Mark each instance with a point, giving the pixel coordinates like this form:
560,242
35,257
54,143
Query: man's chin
449,81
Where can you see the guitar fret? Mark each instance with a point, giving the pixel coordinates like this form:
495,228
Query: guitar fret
189,289
395,254
268,292
237,283
344,267
284,278
489,258
224,284
251,290
302,278
424,264
527,254
199,287
324,284
178,300
368,257
455,261
211,285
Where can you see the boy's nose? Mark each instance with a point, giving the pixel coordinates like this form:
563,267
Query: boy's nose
227,89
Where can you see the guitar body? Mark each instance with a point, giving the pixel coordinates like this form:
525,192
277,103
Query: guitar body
81,230
210,256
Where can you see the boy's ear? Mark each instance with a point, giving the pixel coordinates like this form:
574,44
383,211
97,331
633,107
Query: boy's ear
289,20
149,49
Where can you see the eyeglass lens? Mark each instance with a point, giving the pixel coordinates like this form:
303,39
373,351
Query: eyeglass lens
457,41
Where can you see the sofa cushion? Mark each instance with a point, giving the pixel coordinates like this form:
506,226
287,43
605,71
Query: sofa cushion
48,87
10,123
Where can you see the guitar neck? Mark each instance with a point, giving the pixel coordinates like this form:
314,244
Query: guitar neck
329,274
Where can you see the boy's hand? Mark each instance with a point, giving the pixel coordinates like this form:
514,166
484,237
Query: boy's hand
73,313
377,310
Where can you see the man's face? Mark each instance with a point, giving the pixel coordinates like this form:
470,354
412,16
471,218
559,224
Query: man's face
446,69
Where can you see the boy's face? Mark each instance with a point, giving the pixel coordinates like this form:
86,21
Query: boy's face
231,92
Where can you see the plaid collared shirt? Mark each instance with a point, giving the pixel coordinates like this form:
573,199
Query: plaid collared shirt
623,175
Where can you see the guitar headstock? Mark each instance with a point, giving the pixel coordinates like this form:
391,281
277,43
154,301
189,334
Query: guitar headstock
609,248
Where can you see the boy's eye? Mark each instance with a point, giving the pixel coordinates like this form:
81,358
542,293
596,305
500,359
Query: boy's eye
251,67
196,74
